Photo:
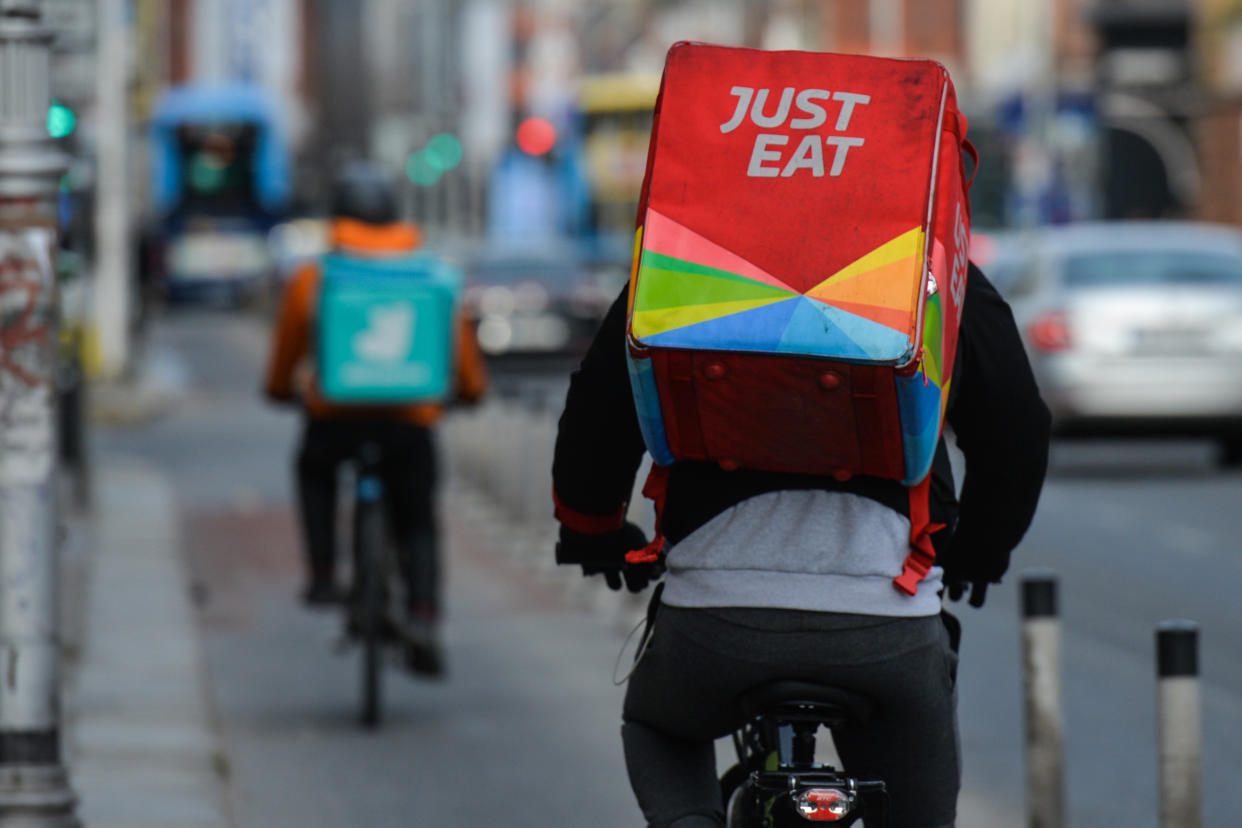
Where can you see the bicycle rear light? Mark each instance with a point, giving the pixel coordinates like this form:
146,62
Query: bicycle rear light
824,804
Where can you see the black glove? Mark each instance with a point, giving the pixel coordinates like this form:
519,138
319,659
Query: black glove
636,576
968,571
957,588
604,554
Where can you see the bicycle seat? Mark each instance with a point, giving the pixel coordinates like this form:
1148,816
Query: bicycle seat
805,700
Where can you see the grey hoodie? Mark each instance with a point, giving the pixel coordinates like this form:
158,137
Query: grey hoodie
800,549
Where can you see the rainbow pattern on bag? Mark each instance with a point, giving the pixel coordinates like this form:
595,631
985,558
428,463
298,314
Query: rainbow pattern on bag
691,293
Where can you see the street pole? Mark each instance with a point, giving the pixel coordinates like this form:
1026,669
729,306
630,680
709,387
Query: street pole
112,291
34,786
1041,658
1180,727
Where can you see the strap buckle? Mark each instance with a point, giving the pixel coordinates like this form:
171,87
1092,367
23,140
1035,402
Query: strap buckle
918,563
648,554
656,488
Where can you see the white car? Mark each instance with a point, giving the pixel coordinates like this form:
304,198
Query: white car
538,300
1136,328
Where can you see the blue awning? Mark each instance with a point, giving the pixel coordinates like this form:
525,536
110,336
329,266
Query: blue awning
219,104
204,103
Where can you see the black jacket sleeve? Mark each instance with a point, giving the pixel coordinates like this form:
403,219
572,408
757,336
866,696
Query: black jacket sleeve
598,444
1002,427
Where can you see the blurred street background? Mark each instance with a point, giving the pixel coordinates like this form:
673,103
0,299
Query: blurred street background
203,136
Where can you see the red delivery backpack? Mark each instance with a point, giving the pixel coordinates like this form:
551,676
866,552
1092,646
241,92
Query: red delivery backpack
799,269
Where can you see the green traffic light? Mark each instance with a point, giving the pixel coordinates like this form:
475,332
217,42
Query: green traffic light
60,120
444,151
420,169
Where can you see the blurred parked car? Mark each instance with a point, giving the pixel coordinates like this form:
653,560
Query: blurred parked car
297,242
1003,254
1135,328
540,300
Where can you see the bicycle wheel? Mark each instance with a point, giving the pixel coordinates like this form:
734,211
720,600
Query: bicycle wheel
737,797
369,579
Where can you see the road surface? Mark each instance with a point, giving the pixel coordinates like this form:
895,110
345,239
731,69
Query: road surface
524,732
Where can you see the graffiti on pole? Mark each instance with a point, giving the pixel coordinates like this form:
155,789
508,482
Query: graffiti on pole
27,355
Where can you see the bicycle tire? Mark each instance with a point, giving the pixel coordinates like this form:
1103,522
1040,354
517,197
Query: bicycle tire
731,780
369,540
738,815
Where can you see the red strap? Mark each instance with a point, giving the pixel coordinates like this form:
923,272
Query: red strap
922,554
974,156
655,489
584,523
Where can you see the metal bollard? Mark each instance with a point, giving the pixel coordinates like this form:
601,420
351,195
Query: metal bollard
1179,727
1041,654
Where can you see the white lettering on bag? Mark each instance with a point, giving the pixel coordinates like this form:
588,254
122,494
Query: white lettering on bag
843,145
765,160
782,109
809,155
804,103
848,101
743,103
957,282
761,153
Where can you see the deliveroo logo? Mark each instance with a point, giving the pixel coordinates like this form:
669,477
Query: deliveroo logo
388,334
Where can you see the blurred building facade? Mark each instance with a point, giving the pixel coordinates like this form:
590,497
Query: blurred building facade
1081,108
1219,124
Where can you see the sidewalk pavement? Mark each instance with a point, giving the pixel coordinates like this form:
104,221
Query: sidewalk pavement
140,742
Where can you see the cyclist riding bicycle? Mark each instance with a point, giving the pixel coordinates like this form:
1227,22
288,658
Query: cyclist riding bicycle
784,576
365,224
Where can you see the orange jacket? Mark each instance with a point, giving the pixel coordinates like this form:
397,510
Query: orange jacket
290,370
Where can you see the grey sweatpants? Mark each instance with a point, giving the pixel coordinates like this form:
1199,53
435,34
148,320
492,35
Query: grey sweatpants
683,695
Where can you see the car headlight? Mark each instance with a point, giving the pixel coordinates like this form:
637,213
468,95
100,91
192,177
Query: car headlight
530,297
496,300
495,334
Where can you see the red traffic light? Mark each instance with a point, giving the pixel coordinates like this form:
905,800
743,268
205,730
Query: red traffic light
536,136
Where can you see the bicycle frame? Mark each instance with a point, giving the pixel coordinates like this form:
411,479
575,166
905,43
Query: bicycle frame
369,598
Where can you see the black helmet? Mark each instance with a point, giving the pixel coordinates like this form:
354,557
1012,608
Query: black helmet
363,191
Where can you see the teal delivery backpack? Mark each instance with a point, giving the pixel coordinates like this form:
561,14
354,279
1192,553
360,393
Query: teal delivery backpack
386,329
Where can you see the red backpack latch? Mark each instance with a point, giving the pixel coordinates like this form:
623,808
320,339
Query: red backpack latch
655,490
922,554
